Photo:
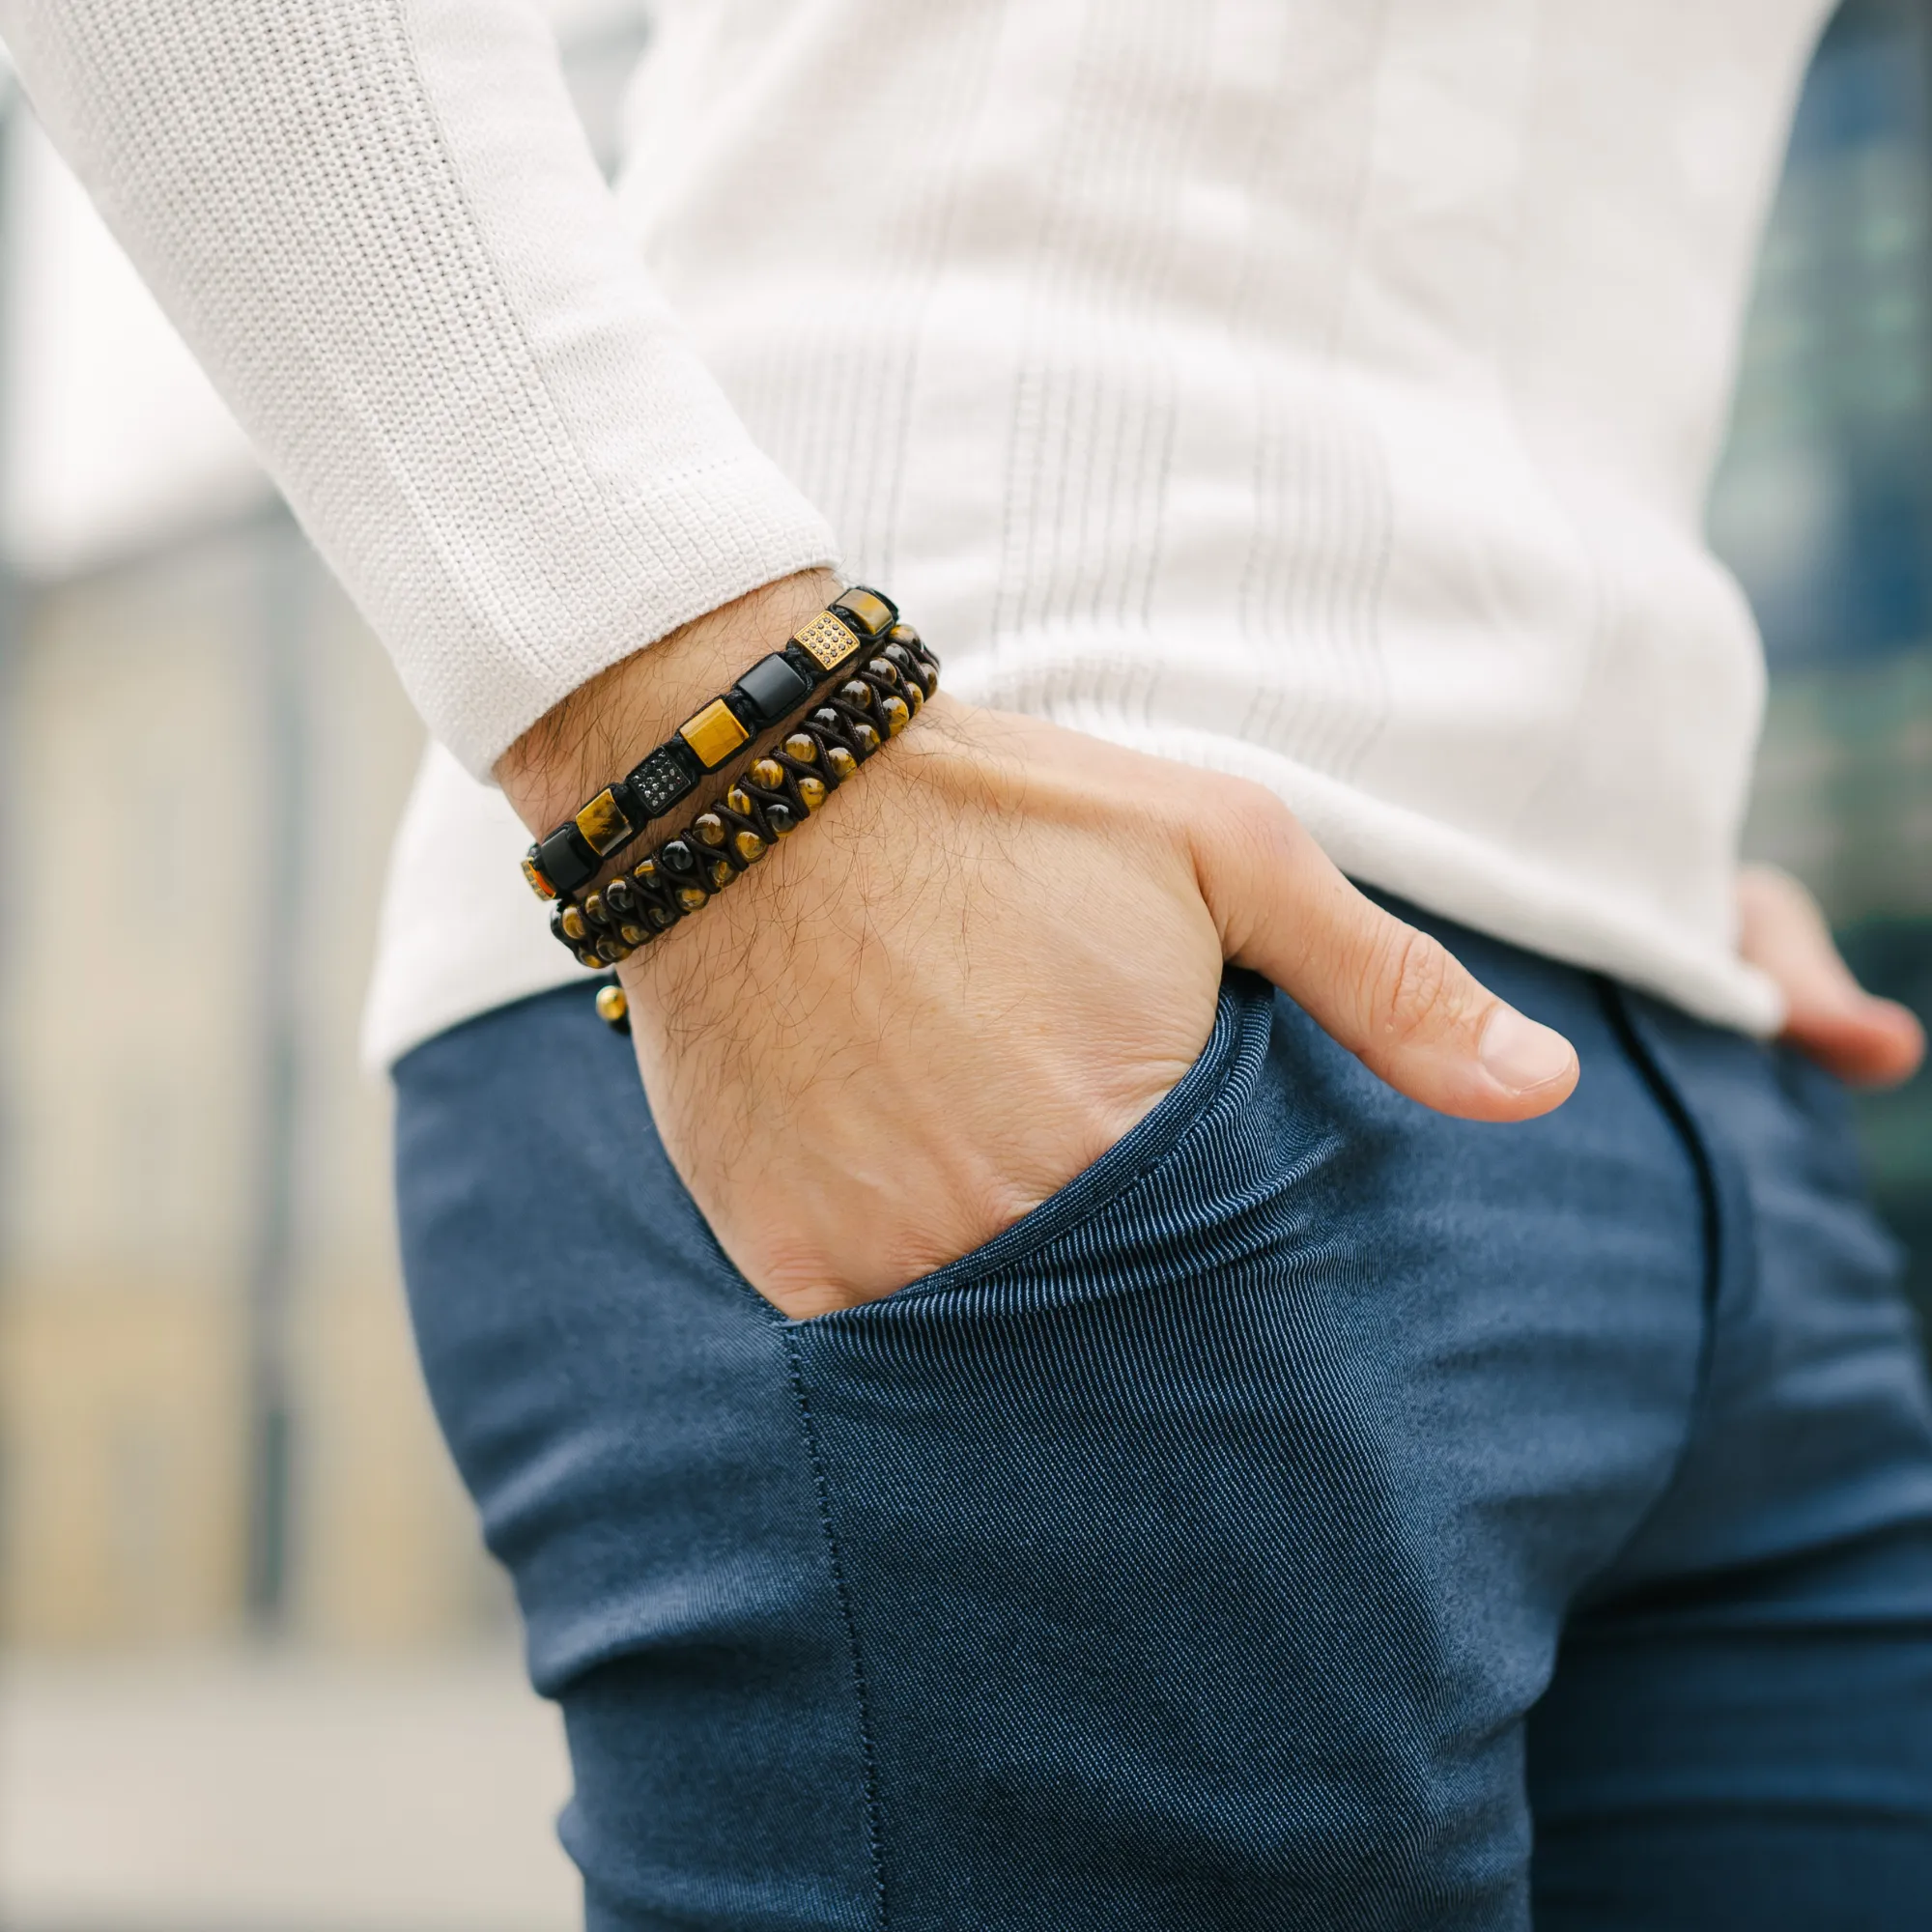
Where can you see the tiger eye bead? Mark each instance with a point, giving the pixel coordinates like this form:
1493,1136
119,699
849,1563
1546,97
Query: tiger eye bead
868,740
691,898
708,827
905,636
803,746
812,793
598,913
635,936
751,848
884,671
768,773
722,874
858,694
614,948
740,800
897,713
841,762
662,917
575,927
914,693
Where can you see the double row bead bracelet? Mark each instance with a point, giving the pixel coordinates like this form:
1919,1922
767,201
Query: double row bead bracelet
775,795
573,853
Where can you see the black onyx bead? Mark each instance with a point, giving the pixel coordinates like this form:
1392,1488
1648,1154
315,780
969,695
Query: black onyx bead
778,815
772,688
676,856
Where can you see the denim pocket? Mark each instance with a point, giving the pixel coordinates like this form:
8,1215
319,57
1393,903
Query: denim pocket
1212,1090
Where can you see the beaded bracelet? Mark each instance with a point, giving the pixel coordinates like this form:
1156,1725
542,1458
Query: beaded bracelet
576,851
776,795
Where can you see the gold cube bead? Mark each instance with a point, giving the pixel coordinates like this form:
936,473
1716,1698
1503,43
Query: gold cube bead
714,733
604,823
538,884
874,612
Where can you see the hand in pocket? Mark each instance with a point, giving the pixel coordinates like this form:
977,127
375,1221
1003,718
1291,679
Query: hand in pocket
987,958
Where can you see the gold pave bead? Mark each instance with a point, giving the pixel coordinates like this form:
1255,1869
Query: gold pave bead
803,746
714,733
828,641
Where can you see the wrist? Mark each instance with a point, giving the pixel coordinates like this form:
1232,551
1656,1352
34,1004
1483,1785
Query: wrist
606,725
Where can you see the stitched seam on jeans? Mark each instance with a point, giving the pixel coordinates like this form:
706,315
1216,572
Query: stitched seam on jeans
874,1834
1671,1104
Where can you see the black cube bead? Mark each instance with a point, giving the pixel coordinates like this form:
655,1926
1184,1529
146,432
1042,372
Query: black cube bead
773,690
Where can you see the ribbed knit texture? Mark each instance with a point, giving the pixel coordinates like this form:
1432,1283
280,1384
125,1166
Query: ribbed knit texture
1323,391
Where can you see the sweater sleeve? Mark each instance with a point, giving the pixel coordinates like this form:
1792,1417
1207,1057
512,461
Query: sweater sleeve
379,225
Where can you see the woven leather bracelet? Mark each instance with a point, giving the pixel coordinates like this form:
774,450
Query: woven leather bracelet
572,855
775,795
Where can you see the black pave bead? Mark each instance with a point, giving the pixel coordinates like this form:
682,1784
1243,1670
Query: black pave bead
664,777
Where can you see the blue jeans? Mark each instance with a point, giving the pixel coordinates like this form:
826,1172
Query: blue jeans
1321,1514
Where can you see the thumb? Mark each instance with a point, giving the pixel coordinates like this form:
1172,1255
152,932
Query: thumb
1396,998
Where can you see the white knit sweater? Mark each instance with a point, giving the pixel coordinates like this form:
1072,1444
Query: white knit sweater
1323,391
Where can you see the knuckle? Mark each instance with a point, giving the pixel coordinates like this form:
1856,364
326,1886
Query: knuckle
1414,987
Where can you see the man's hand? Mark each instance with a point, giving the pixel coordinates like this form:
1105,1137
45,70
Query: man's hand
989,955
1867,1041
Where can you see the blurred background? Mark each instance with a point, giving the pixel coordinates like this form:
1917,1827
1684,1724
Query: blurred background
257,1677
